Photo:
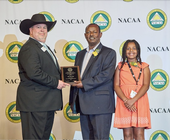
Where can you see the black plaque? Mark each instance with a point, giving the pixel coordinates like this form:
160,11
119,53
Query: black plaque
70,74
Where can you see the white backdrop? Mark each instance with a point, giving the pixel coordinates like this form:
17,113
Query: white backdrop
145,21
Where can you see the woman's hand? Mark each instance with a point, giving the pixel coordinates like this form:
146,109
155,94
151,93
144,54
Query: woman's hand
129,104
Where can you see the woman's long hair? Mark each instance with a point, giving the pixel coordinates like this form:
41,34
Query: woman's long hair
124,57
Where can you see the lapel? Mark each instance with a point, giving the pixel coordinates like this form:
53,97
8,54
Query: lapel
92,60
55,59
45,52
79,61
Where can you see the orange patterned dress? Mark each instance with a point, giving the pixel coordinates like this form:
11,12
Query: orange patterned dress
123,117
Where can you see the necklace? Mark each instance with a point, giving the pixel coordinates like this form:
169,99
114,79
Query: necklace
135,64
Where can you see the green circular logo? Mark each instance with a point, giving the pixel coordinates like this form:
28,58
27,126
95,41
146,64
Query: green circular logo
69,115
48,16
102,19
72,1
159,135
156,19
15,1
70,50
111,137
128,0
159,80
12,51
121,47
12,114
52,137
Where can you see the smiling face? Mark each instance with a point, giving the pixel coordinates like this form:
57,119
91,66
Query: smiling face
39,32
131,52
92,35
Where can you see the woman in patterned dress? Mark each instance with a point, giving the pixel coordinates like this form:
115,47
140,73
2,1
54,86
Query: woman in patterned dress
131,83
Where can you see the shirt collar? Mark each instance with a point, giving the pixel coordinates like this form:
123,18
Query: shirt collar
87,49
39,41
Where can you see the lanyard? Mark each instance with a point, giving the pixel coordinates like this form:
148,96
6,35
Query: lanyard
133,73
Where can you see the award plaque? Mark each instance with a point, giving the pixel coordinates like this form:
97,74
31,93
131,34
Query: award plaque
70,74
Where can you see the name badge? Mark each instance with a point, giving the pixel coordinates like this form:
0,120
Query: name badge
43,49
132,94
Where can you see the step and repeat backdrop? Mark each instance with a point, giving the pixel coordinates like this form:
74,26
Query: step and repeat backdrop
146,21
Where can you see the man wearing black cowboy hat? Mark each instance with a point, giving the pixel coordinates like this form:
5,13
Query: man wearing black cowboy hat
39,93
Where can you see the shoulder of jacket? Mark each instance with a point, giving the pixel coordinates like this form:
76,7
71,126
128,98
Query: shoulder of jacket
104,48
82,51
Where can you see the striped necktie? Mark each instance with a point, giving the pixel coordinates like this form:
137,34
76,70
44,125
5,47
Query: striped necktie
51,54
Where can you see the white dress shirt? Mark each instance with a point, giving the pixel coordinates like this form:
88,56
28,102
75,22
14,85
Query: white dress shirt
87,58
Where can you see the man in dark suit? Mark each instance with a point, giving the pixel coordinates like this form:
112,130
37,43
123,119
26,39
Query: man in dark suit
93,96
39,93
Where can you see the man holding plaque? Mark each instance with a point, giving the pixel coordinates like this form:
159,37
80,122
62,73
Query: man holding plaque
39,93
93,96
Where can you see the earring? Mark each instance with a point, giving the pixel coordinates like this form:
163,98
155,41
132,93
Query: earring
137,58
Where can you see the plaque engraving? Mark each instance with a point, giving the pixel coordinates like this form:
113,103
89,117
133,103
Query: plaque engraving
70,74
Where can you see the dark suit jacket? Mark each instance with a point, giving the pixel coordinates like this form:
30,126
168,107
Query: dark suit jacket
97,96
39,77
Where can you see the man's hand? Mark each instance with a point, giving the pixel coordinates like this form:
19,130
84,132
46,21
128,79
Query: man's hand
62,84
78,84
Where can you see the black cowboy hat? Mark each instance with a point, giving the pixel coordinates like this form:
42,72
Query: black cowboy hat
36,19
